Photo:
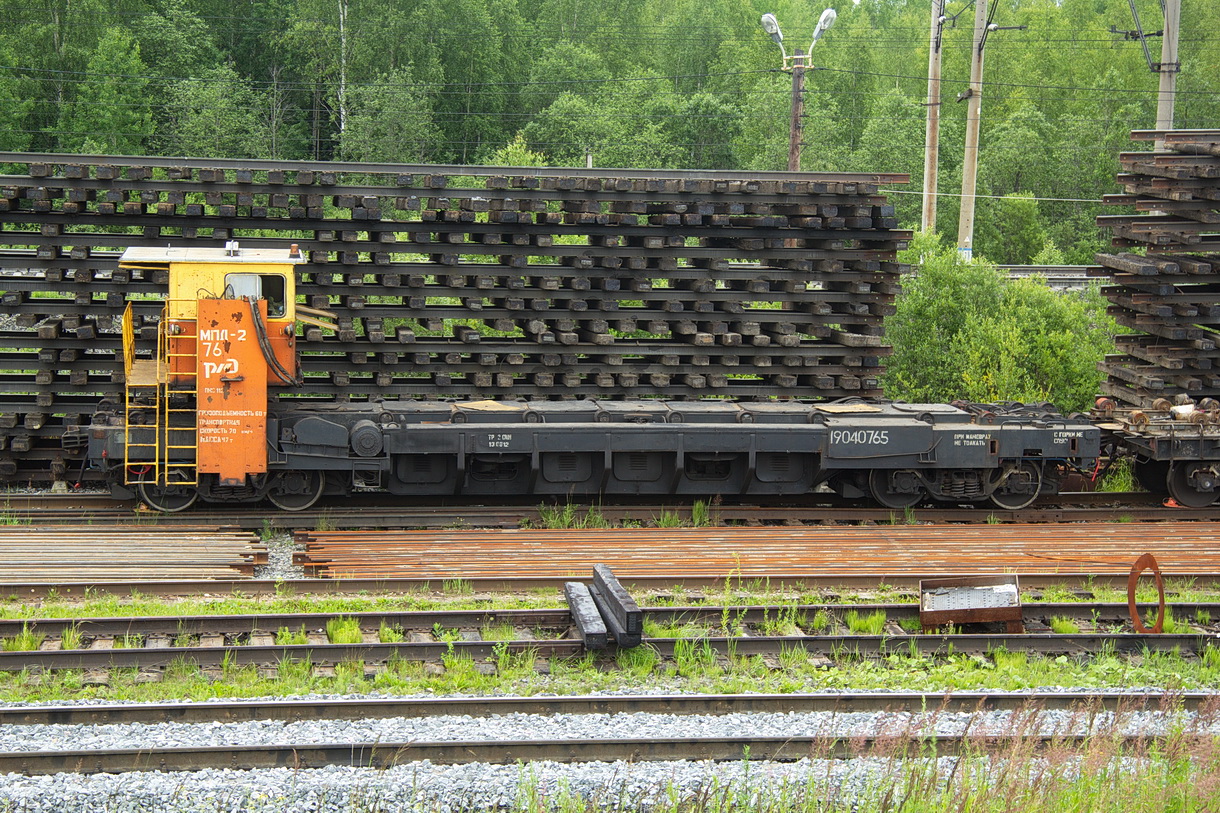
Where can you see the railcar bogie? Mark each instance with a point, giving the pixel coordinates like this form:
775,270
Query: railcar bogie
1174,447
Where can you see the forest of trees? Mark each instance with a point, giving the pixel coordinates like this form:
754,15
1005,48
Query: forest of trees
624,83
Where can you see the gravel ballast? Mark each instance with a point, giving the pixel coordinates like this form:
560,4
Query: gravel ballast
423,785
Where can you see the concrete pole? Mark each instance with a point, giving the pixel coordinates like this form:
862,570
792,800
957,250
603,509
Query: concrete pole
796,125
1169,68
970,162
931,152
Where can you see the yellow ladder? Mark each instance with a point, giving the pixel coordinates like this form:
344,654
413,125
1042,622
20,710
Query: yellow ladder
181,422
166,451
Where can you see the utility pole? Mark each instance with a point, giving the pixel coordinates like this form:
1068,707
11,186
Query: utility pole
970,162
796,125
931,152
342,65
1169,68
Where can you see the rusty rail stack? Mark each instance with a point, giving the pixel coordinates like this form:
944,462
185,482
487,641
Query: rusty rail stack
882,552
460,281
1169,295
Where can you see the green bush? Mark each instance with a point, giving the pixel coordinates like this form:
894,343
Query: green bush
964,331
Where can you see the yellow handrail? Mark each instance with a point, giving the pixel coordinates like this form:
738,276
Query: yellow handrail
129,340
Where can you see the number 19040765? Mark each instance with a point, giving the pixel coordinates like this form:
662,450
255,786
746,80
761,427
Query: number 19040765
860,437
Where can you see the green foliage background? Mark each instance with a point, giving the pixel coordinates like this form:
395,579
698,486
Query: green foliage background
666,84
629,83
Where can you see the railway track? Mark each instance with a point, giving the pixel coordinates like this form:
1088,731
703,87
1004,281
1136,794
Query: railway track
373,657
100,509
364,708
915,708
381,755
151,644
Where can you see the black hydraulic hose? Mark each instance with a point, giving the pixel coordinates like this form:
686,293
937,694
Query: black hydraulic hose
264,344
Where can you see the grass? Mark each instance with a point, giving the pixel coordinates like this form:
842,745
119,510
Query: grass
183,639
1172,626
678,628
498,632
788,621
568,516
24,641
287,637
71,638
670,519
870,624
457,587
1120,477
1064,626
344,631
694,657
701,516
388,634
1101,776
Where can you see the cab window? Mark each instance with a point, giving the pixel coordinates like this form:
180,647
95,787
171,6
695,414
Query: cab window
258,286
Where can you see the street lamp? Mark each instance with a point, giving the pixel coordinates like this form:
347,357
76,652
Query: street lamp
796,64
771,26
824,23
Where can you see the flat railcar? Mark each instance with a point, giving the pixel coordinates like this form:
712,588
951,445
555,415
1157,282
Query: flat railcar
202,418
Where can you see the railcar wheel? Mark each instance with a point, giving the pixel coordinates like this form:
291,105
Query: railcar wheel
1152,475
169,499
1020,488
1193,485
296,490
882,485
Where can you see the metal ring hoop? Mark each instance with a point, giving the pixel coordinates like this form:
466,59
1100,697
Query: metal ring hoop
1146,562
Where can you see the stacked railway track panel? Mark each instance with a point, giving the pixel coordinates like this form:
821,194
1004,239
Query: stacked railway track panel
468,282
1166,280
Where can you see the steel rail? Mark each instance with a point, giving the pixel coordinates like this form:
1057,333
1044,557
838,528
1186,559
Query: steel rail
258,517
846,702
428,620
257,164
215,657
271,622
383,755
844,581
